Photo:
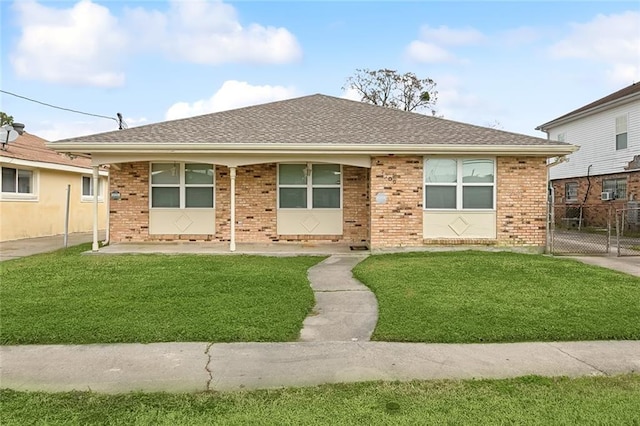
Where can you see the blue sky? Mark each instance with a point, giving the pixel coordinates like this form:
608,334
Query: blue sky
513,65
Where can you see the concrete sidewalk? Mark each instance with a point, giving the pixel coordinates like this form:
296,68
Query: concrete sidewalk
192,367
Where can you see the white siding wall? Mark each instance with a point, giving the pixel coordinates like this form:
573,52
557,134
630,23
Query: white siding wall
596,136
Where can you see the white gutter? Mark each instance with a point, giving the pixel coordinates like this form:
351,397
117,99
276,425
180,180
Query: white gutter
50,166
199,148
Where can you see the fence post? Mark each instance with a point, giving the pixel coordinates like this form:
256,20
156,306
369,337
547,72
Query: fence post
618,232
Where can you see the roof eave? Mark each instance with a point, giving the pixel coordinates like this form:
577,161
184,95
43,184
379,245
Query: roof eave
571,117
377,149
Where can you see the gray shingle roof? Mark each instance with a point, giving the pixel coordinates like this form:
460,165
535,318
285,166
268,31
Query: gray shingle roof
314,119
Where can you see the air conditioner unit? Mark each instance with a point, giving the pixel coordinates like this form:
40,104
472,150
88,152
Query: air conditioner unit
606,196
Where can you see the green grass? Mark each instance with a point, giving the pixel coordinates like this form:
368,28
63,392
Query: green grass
472,296
523,401
66,297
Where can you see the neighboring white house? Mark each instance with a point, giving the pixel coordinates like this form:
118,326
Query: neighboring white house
605,170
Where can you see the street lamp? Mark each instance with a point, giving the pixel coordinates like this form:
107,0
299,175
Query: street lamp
10,132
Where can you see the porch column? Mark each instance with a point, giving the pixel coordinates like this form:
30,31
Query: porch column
96,183
232,175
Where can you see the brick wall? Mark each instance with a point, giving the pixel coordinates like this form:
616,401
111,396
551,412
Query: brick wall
521,201
595,212
356,204
398,221
129,216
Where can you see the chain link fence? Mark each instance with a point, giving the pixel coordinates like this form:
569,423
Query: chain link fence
594,229
581,229
627,237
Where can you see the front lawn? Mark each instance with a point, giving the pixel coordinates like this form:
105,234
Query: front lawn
66,297
526,400
472,296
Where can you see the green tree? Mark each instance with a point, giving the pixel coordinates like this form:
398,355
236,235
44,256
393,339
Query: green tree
5,119
390,89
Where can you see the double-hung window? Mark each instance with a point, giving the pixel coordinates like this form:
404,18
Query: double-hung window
571,191
459,184
87,188
18,182
182,185
309,186
621,132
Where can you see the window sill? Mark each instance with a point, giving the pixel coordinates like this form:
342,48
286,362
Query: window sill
90,200
18,197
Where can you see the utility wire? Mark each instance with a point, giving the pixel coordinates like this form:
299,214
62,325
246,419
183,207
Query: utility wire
57,107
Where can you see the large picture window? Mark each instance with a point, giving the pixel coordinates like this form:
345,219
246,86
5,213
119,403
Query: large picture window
459,184
306,186
182,185
17,181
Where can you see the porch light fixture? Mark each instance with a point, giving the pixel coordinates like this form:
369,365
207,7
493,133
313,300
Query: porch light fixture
10,132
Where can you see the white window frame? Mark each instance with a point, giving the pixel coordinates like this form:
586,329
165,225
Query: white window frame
21,196
309,186
182,185
561,137
622,128
89,198
459,185
566,187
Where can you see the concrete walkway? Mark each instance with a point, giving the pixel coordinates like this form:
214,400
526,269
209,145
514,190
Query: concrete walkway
628,264
29,246
345,310
191,367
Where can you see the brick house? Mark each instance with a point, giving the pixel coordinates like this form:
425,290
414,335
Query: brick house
604,175
319,169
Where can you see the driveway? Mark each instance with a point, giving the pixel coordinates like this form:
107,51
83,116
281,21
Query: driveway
29,246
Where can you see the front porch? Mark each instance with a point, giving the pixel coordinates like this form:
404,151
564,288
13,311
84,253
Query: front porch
217,248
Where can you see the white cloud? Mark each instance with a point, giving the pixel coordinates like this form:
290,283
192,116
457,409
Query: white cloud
79,45
232,94
613,40
429,47
209,32
351,94
56,130
421,51
450,36
86,44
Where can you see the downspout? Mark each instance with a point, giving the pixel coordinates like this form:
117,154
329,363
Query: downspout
586,195
232,243
96,176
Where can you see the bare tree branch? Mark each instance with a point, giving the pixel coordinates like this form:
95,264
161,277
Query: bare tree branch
387,88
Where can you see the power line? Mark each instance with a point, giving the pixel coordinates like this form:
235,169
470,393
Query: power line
57,107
